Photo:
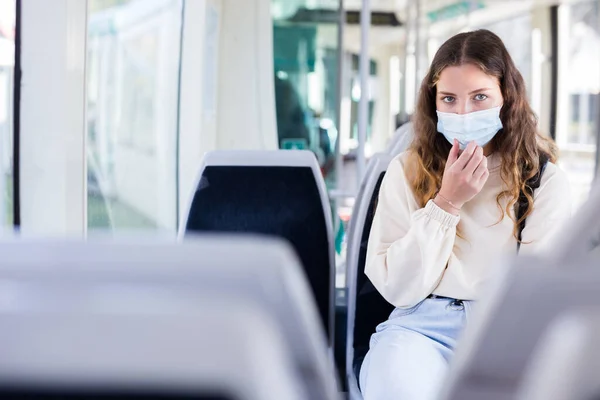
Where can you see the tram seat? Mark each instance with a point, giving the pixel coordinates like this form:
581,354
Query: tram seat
565,363
213,318
493,354
366,307
280,193
528,293
401,139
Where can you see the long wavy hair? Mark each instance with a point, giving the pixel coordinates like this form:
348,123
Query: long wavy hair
519,142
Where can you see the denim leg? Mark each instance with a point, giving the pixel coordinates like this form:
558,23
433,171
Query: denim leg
403,365
409,354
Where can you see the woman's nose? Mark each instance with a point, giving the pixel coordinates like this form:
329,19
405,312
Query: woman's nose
464,107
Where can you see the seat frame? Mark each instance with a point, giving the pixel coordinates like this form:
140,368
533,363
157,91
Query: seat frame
378,164
402,138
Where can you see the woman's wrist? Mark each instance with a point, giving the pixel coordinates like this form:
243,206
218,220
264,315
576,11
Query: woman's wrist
446,204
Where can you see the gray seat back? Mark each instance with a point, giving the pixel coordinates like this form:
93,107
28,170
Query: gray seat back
169,314
366,307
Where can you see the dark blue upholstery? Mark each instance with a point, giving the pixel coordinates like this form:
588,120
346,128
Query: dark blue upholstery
273,200
371,307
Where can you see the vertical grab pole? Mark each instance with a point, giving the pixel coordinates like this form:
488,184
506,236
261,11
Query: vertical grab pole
417,47
364,71
339,93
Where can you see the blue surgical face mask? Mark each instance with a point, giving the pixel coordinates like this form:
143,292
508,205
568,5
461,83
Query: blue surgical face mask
478,126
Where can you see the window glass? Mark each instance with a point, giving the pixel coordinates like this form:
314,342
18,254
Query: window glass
133,57
7,60
305,50
581,82
512,31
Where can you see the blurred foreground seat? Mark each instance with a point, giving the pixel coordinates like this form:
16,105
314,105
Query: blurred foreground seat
566,362
517,311
211,318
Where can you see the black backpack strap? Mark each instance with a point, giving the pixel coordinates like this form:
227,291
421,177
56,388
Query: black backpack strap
531,185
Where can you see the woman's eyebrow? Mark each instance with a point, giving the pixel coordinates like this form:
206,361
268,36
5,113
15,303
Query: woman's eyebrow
479,90
474,91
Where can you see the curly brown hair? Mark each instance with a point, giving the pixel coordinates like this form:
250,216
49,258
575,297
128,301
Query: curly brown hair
519,143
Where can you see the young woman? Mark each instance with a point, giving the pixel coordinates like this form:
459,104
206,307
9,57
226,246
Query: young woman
446,211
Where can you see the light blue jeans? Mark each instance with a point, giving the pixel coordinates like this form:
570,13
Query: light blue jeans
409,353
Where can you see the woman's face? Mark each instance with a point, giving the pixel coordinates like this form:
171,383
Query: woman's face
466,88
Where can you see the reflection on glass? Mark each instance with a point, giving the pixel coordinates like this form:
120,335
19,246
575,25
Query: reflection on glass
578,141
305,60
7,59
132,90
305,49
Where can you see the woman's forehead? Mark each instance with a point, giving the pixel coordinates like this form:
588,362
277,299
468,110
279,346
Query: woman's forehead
465,78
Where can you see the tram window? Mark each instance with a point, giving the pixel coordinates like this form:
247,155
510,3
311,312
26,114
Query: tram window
580,101
511,31
305,60
7,59
133,59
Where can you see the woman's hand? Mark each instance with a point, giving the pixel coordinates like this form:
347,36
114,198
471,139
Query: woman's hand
464,177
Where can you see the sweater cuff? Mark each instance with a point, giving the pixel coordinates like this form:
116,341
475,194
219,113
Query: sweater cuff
438,214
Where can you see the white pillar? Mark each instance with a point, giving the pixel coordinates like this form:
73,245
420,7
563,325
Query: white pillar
53,179
541,66
246,88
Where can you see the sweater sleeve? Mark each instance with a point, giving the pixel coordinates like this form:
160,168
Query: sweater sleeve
552,208
407,251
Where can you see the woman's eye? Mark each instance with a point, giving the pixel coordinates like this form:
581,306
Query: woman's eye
447,99
480,97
